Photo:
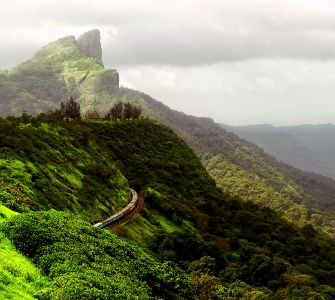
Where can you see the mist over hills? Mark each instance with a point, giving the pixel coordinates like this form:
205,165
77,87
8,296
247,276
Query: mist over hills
223,218
307,147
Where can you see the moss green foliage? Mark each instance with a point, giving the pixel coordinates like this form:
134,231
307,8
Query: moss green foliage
237,181
47,165
19,278
85,262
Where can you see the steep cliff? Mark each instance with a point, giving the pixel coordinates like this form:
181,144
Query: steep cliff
89,44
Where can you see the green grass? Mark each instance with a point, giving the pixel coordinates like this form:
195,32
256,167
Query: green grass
19,277
167,225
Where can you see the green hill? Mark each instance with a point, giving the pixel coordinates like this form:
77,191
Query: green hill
192,241
20,279
55,72
50,167
243,169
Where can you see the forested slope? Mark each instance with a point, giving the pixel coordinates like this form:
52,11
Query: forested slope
243,169
195,241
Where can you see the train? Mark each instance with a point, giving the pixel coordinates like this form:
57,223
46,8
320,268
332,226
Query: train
121,214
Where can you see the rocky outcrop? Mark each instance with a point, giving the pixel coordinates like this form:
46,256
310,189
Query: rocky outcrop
90,45
106,81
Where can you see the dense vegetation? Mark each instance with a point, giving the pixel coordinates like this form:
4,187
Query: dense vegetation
45,165
195,241
242,169
84,262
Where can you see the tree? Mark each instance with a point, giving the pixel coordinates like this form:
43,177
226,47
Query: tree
92,115
136,112
70,109
127,112
116,111
123,111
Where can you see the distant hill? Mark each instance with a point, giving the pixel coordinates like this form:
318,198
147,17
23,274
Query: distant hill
307,147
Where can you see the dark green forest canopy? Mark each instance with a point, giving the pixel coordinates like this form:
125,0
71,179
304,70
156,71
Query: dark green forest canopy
250,250
244,170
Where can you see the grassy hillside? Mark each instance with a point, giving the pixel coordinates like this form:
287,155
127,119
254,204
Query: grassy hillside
193,241
84,262
46,166
54,73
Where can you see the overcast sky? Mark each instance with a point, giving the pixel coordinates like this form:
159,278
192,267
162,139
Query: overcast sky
237,61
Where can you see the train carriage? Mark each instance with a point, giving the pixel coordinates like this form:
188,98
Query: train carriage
124,212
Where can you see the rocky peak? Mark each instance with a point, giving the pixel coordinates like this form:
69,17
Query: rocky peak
90,45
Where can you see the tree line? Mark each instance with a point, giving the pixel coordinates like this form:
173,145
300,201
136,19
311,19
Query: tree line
70,111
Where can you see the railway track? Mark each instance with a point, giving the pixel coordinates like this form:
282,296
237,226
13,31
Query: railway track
120,217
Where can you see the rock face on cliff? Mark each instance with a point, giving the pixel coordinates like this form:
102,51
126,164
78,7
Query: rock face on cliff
90,45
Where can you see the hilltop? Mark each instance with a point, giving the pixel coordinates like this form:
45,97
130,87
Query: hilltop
64,68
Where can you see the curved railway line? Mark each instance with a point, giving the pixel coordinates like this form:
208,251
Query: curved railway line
136,203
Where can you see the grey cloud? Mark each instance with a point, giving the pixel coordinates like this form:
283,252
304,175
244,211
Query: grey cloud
184,33
245,92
